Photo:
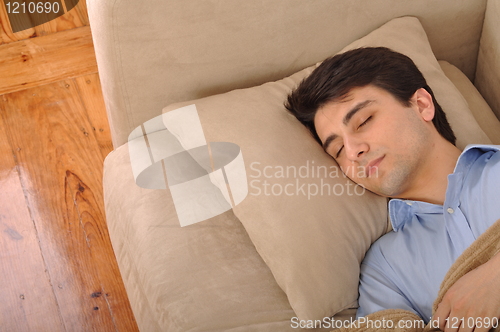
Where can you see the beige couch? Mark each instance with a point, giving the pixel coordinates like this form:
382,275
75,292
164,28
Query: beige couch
257,266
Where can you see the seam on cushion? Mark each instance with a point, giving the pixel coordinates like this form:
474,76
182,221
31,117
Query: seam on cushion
480,43
133,272
118,53
352,305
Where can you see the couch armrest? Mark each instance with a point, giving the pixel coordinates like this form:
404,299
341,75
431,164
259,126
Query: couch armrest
487,78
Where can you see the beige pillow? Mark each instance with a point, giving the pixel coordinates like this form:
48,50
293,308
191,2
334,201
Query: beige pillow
310,224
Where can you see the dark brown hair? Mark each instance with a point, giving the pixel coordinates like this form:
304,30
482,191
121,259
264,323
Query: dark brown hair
379,66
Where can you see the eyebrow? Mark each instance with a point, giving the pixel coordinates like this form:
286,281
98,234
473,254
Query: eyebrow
358,107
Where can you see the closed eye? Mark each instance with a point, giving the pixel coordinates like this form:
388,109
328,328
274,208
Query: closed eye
365,122
338,152
361,125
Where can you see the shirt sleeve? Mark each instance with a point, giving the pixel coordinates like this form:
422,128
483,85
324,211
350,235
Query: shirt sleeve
377,291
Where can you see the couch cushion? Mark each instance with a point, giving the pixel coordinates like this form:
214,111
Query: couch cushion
479,107
205,277
151,278
314,236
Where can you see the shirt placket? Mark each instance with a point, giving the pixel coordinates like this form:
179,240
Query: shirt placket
457,226
458,229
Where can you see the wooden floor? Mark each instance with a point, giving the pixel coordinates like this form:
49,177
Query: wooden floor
57,268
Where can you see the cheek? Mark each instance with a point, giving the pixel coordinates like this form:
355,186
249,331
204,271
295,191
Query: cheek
389,131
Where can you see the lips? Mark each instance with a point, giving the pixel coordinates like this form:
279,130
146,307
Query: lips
372,166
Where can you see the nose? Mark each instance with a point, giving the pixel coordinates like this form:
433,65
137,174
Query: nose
355,149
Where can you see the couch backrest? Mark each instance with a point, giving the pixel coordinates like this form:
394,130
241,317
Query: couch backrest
157,52
487,79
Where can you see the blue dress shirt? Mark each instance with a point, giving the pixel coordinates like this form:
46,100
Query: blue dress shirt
404,268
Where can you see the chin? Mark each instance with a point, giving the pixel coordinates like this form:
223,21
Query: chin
382,191
372,189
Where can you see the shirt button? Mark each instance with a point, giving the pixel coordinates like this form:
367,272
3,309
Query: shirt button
409,203
450,210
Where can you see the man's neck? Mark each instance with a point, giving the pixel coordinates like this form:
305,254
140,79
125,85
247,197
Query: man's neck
433,176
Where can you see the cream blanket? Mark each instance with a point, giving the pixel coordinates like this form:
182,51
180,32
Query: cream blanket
480,251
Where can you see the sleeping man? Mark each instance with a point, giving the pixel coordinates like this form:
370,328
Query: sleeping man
372,108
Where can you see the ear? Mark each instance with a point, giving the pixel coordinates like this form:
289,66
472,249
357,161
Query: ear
423,100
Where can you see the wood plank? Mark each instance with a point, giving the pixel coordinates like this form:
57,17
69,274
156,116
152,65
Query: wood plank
91,215
48,59
89,89
77,17
61,175
28,301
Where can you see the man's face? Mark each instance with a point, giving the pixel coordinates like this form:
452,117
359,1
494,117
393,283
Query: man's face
379,143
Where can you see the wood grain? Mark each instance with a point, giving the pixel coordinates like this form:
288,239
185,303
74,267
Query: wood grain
60,158
89,89
28,301
77,17
48,59
57,268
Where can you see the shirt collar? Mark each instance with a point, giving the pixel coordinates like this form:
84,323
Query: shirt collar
401,210
470,154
